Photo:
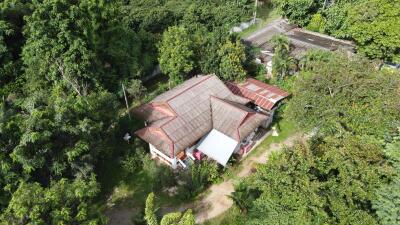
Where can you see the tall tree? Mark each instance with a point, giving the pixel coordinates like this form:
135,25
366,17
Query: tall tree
176,53
232,57
282,62
298,11
375,27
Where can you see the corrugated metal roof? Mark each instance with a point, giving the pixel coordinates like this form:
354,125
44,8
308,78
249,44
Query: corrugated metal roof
185,114
264,95
217,146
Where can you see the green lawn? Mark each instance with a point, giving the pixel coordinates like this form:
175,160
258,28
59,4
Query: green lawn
265,14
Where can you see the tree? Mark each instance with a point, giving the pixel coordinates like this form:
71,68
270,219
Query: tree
11,43
64,202
67,129
298,11
326,181
176,53
150,211
83,49
375,27
243,196
387,203
361,102
175,218
282,62
232,58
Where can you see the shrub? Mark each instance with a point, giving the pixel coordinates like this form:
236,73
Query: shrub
197,178
317,23
160,176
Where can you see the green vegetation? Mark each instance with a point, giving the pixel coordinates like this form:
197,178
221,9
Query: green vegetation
374,25
282,62
169,219
62,110
176,53
265,14
62,115
346,172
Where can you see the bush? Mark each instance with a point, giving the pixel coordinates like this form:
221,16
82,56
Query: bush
317,23
198,177
133,161
160,176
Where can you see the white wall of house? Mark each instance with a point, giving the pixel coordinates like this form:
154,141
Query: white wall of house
157,153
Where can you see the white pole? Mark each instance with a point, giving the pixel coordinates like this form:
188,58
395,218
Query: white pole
255,12
126,101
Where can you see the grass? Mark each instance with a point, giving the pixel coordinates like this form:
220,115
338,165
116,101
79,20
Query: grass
265,14
231,216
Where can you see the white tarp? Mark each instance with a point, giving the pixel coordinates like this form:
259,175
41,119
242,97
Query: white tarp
217,146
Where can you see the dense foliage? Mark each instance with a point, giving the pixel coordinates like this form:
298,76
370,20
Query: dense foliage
338,94
347,172
374,25
62,64
387,203
282,63
329,181
177,218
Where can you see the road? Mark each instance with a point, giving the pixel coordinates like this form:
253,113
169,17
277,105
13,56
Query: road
262,36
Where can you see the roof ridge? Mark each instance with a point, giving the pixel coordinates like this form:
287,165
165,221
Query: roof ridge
226,102
204,78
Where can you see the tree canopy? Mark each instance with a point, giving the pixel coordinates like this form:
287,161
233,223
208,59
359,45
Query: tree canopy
339,94
62,63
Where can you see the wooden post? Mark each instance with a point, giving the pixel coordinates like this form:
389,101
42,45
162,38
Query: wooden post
126,101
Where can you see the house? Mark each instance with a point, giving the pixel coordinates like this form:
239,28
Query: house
200,117
300,39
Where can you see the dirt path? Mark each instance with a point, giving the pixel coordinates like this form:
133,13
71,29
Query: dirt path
216,201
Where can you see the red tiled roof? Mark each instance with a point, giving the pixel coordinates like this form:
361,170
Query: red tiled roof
264,95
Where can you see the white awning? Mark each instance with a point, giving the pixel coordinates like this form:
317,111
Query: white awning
217,146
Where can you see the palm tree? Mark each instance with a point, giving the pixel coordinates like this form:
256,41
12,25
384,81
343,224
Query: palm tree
243,196
282,62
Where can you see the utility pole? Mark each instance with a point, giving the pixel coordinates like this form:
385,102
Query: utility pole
255,12
126,101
